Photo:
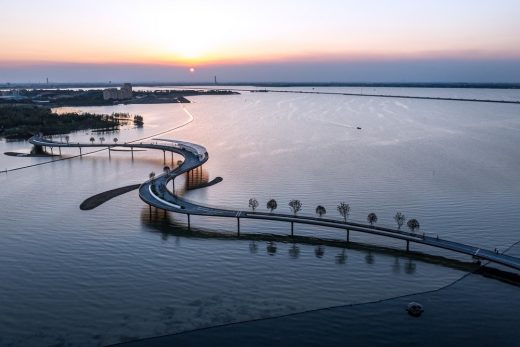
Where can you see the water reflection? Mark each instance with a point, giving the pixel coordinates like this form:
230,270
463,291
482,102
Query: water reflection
342,257
410,267
294,251
174,225
253,247
319,251
271,248
369,258
196,178
396,266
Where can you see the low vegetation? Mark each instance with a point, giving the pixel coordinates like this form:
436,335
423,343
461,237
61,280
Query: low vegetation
23,121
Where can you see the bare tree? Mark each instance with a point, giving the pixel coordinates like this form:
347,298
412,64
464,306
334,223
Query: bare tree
320,210
101,139
92,139
67,139
413,224
344,210
372,218
295,206
399,219
253,203
272,205
166,170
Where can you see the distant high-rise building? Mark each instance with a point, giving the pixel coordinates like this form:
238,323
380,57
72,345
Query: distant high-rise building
118,94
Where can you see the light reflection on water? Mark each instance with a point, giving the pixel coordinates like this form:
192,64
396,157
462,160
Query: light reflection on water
90,277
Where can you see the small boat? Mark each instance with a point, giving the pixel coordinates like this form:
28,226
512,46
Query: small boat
414,309
358,128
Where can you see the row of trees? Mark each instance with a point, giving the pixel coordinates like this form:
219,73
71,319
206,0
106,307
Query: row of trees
92,139
342,208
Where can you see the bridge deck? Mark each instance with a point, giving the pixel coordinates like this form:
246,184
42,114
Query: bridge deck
154,193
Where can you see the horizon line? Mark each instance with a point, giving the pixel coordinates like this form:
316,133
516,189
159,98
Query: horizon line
151,83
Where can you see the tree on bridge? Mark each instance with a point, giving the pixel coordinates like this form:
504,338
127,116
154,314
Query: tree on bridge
272,205
295,206
101,139
320,210
372,218
253,203
92,139
413,224
67,138
151,175
115,140
166,170
399,219
344,210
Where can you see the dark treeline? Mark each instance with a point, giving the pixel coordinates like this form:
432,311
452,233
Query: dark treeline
192,92
23,121
66,97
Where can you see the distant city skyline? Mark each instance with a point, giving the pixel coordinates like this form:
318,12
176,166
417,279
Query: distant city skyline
262,41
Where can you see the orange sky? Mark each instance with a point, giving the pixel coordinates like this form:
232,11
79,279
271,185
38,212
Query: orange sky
199,32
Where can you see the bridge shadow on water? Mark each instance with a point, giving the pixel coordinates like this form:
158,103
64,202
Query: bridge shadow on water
165,224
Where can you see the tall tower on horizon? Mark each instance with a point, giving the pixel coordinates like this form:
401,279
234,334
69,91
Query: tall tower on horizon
216,80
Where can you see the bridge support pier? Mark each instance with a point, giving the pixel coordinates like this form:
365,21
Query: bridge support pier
407,246
52,153
348,235
189,224
80,154
238,226
59,149
164,157
109,156
292,229
132,150
172,160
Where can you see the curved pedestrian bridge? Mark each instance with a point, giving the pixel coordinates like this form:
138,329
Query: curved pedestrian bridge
154,193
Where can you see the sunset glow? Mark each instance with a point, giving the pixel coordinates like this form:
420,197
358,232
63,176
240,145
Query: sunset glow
232,32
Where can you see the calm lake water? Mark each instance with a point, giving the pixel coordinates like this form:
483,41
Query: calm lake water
119,273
